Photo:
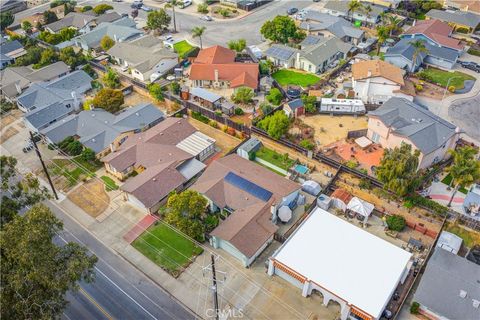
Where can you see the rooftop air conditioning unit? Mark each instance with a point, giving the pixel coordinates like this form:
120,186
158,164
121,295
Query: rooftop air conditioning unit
463,293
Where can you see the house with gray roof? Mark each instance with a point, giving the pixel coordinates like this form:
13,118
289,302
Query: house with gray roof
471,203
45,103
340,9
449,288
315,55
83,22
10,51
16,79
121,30
146,57
401,55
5,61
457,19
102,131
399,121
326,25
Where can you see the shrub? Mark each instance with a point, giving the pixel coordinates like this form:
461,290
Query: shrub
474,52
365,184
275,97
419,87
452,89
396,222
418,200
462,30
266,108
88,154
211,222
102,8
200,117
156,91
243,95
414,307
213,124
239,111
231,131
202,8
74,148
109,99
352,164
86,8
175,87
307,144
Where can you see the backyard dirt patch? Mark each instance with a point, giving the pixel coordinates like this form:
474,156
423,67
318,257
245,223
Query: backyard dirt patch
329,129
10,117
430,90
224,141
10,132
91,197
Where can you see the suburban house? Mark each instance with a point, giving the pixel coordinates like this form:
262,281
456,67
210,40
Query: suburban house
327,269
471,203
400,121
384,3
315,55
435,32
164,158
402,55
47,102
13,6
121,30
79,21
16,79
10,51
294,108
326,25
464,5
340,9
216,67
146,57
449,287
251,196
102,131
376,81
457,19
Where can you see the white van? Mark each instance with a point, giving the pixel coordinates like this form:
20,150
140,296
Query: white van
185,4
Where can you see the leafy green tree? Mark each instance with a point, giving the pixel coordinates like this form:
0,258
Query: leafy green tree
281,29
307,144
198,32
175,87
382,35
243,95
266,108
89,70
158,20
266,66
71,58
275,97
49,17
86,8
465,168
202,8
275,125
354,6
237,45
47,57
102,8
109,99
32,56
418,48
36,272
398,169
111,79
6,19
88,154
393,24
27,26
396,222
156,91
309,103
106,43
185,211
74,148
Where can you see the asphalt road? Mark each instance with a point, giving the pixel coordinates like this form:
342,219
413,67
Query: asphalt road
120,291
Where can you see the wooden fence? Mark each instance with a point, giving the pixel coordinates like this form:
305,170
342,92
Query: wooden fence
354,134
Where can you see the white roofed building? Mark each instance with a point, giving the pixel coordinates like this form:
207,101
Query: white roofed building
328,268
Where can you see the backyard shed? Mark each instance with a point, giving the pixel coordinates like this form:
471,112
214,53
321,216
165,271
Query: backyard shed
248,149
450,242
294,108
361,207
341,198
311,187
206,98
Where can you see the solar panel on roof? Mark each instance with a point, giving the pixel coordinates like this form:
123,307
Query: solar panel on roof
248,186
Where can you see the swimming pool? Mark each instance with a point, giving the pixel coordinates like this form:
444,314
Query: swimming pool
300,168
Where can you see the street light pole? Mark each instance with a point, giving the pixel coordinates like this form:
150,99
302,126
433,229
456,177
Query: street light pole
446,87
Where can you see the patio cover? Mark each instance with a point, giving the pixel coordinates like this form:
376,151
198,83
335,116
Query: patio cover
285,213
363,142
360,206
311,187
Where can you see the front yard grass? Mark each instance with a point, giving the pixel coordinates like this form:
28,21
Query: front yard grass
287,77
182,47
275,158
167,248
441,77
73,169
470,238
448,179
110,185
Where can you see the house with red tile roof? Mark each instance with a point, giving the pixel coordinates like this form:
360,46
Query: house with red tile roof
434,31
216,67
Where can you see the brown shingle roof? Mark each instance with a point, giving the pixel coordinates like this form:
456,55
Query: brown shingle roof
436,30
377,68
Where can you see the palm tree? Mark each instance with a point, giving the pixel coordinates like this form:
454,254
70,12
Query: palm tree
172,5
393,22
464,170
198,32
382,35
419,47
353,6
367,9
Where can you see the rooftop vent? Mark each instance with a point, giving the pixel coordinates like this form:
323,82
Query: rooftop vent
154,179
475,303
463,293
137,114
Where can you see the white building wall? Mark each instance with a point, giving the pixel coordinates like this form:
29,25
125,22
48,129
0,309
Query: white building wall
135,202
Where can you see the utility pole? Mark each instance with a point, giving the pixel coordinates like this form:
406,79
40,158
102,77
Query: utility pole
43,165
215,282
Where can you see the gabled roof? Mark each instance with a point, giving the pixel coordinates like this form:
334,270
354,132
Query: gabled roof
295,104
446,277
324,50
72,19
425,130
437,31
215,55
405,48
377,68
10,46
342,6
459,17
339,27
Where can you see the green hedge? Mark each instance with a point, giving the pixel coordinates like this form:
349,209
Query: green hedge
200,117
474,52
417,200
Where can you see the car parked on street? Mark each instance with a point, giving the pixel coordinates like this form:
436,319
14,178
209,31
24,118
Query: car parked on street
206,18
292,10
146,9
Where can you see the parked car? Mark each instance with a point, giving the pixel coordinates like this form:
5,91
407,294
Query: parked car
28,147
124,69
206,18
474,67
465,63
292,10
185,4
146,9
136,5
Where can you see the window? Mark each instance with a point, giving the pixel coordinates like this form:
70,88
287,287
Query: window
68,105
375,137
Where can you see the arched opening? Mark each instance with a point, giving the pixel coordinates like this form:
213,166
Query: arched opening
335,306
317,296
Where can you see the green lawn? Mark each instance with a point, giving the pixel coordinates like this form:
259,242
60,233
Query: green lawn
182,47
167,248
470,238
441,77
270,168
274,158
73,169
448,179
110,185
374,53
286,77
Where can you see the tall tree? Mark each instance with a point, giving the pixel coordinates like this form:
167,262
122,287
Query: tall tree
111,79
398,169
172,4
6,19
49,17
275,125
158,20
47,57
27,27
382,36
108,99
37,273
156,91
197,32
354,6
393,24
281,29
419,48
465,168
185,210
